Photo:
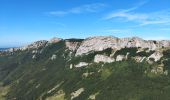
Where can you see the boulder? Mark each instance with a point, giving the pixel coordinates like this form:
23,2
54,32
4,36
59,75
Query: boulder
81,64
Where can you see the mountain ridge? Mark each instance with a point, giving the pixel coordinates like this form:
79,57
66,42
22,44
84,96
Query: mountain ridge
96,68
125,42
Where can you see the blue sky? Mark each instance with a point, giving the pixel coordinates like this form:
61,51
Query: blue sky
25,21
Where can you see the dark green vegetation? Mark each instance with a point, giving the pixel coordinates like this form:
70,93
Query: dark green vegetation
74,40
133,52
32,79
167,59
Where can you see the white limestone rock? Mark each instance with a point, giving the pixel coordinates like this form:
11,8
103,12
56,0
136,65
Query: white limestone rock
37,44
53,57
101,43
81,64
156,56
120,57
93,96
54,40
34,56
71,66
72,45
102,58
34,45
87,74
34,51
164,43
55,87
98,43
76,93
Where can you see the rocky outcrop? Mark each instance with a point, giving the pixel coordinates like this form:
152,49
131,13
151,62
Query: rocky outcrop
103,42
71,66
120,57
34,56
81,64
97,44
72,45
102,58
76,93
36,44
54,40
34,51
156,56
53,57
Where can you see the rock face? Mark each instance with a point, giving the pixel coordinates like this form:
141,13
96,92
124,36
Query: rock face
36,44
103,42
99,43
156,56
55,40
102,58
72,45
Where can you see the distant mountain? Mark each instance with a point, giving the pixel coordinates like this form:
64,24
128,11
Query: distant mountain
95,68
